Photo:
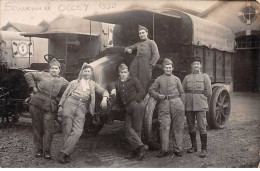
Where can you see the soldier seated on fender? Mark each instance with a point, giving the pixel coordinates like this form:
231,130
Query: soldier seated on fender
131,92
168,90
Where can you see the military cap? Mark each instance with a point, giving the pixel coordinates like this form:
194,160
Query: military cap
196,58
142,28
167,62
54,62
86,65
122,67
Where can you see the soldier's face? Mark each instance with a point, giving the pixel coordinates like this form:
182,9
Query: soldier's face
168,69
87,73
196,66
124,74
143,34
54,70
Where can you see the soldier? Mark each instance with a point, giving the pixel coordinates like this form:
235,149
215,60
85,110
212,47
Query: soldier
168,90
146,58
197,87
44,105
77,100
131,93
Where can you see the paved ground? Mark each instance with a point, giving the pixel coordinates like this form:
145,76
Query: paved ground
235,146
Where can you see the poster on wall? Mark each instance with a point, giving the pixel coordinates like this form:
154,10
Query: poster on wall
22,48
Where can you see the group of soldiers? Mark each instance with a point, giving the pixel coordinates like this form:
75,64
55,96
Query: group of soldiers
175,100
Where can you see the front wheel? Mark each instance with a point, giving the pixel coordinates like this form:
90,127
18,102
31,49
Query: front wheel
151,123
91,128
220,106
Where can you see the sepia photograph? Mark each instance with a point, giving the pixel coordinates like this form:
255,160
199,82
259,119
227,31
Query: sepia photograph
129,84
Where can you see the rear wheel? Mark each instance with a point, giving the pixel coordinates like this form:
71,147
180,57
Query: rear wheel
220,106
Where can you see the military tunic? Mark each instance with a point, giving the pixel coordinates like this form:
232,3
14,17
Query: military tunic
198,91
147,56
131,92
43,106
170,111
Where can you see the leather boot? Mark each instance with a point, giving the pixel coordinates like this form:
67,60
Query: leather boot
131,155
203,139
38,153
47,155
67,158
60,157
142,151
193,143
162,153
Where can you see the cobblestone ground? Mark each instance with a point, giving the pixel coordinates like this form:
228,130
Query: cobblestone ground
237,145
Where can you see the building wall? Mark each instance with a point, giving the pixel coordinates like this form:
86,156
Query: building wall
247,58
227,14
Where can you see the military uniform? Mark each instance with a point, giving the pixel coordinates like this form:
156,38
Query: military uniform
147,56
197,87
44,106
131,93
77,100
170,109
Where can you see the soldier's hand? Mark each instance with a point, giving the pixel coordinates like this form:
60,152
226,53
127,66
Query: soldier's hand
129,51
161,96
60,111
35,90
104,103
151,67
113,92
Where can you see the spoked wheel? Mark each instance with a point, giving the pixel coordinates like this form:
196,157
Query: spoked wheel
220,106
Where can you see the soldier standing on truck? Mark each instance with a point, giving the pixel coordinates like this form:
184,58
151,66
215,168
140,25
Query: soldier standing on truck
197,87
167,88
146,58
131,92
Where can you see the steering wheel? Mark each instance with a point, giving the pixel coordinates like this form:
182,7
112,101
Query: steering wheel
48,57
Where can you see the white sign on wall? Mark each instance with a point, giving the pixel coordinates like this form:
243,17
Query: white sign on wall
22,48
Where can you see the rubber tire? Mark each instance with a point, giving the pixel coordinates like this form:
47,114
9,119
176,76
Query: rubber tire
214,106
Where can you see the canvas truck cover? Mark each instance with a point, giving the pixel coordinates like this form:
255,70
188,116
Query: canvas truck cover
212,35
194,30
68,26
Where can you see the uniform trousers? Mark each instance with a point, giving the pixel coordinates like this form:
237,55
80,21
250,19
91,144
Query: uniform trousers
171,115
43,127
134,123
140,68
200,116
73,119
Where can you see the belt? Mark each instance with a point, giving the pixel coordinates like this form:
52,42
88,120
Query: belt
46,95
169,97
195,91
79,98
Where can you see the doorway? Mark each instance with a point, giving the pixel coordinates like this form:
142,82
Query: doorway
247,65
